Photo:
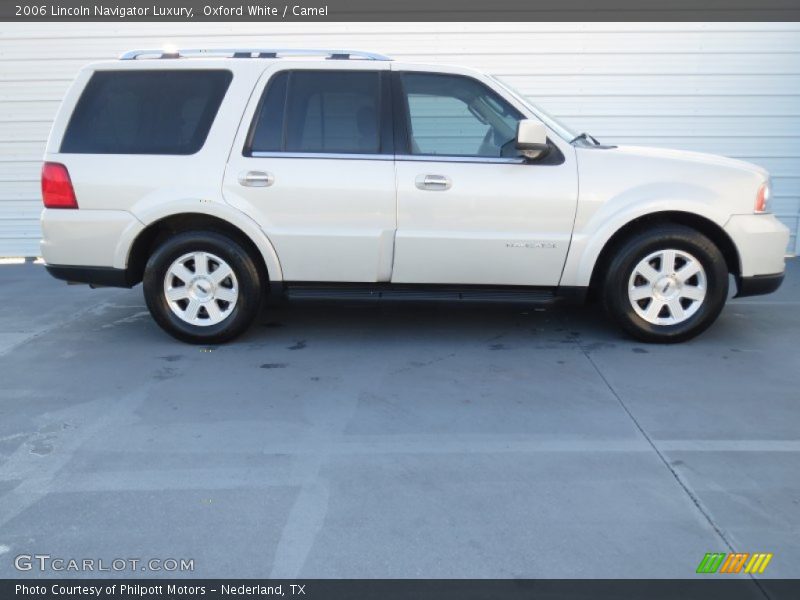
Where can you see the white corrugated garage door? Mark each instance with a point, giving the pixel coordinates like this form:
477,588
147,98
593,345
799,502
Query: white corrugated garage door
727,88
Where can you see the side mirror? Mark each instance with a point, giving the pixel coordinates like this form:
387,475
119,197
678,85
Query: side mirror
532,139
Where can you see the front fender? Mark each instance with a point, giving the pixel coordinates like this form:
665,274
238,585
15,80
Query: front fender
594,228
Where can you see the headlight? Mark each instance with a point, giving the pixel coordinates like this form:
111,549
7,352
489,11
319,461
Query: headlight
762,197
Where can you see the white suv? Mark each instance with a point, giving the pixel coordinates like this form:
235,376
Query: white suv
222,177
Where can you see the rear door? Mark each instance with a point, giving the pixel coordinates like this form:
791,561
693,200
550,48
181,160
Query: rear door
470,209
313,165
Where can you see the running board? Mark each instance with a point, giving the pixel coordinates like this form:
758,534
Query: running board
419,293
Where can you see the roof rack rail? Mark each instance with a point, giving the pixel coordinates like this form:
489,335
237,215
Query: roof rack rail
251,53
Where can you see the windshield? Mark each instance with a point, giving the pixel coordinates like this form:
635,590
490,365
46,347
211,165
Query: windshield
550,121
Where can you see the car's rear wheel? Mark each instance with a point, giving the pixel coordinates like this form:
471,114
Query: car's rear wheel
202,287
666,284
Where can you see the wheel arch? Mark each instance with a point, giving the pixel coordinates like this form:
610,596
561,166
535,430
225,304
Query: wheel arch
149,238
697,222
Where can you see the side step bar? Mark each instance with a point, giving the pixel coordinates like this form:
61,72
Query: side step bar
419,293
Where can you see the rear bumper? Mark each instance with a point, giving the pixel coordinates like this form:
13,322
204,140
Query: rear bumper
758,284
87,238
94,276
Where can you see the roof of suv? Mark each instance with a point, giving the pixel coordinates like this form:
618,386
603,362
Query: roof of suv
329,54
253,59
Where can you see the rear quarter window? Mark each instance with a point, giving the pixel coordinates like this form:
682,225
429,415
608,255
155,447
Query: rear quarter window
146,112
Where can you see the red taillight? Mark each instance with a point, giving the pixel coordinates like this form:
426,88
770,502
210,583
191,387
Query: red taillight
57,189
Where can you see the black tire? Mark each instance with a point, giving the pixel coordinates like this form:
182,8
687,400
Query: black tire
619,306
241,263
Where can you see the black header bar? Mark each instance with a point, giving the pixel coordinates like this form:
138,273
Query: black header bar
705,588
399,10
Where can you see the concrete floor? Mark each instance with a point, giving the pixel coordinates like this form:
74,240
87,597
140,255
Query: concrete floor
396,440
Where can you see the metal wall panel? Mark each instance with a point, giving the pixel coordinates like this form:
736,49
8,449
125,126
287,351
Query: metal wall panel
727,88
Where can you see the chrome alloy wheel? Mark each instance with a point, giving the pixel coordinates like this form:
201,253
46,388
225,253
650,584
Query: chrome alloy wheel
201,288
667,287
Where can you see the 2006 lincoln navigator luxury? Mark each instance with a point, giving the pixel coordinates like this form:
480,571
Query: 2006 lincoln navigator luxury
221,177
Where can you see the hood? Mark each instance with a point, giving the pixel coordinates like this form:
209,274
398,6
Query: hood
697,158
628,175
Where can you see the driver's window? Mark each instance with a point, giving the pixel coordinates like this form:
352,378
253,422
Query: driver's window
451,115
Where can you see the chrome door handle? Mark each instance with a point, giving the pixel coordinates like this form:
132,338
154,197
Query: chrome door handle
256,179
433,182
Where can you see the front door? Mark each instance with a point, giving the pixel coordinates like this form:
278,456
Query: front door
314,167
470,209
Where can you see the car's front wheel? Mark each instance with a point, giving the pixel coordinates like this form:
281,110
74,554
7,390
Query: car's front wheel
202,287
666,284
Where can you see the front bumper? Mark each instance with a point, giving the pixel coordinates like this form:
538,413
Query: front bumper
758,285
761,241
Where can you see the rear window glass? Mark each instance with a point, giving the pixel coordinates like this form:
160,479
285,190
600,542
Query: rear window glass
145,112
333,112
319,112
266,134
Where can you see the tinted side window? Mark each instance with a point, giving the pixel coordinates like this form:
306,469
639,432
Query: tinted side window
146,112
318,111
453,115
266,134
